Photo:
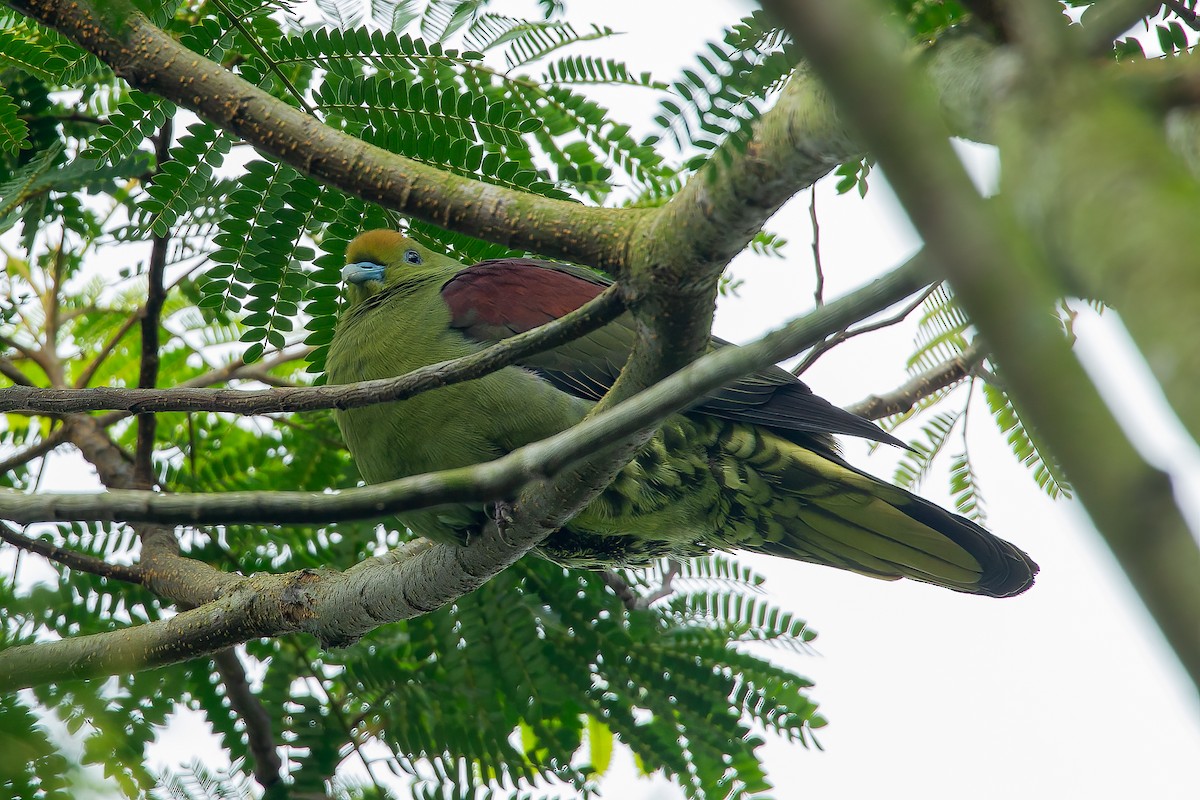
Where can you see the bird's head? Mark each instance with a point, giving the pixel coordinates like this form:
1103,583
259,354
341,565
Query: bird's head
380,259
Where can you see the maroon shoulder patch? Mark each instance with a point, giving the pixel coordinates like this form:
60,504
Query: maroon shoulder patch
499,298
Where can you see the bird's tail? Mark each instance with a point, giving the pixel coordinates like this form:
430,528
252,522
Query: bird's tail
827,512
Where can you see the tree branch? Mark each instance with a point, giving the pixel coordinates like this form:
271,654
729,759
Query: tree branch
829,342
916,389
621,588
113,464
70,558
11,371
246,704
89,371
713,218
591,316
52,440
147,424
1106,20
234,369
36,356
1189,16
185,581
485,482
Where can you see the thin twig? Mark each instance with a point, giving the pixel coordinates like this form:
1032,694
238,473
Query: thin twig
596,313
52,306
1189,17
70,558
253,40
107,350
829,342
819,289
36,356
11,371
664,589
916,389
53,439
621,588
234,370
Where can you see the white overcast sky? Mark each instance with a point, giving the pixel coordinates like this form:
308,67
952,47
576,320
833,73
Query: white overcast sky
1066,691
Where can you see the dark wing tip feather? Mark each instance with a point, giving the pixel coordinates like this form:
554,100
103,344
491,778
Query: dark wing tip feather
777,400
1007,569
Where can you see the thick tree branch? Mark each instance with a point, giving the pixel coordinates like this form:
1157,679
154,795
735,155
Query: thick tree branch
1138,254
113,465
1005,287
185,581
337,608
485,482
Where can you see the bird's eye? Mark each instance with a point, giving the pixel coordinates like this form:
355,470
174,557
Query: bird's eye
412,256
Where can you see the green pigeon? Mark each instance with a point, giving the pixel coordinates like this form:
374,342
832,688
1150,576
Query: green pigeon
753,466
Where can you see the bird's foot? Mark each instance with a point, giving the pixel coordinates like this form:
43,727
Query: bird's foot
501,513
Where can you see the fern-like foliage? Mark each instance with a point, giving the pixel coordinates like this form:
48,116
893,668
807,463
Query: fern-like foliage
30,763
20,48
717,101
915,464
943,334
941,331
181,183
1046,472
523,688
964,488
13,130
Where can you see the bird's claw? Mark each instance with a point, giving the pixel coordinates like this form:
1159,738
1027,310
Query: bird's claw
501,513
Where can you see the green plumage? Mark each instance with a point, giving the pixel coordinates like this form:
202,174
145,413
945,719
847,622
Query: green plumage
708,479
